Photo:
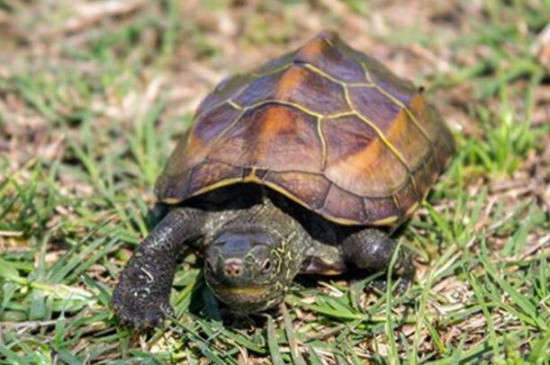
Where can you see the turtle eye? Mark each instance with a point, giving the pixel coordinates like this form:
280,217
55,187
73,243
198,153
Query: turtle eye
266,266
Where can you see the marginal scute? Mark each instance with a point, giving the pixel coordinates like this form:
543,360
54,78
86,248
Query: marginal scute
436,129
340,203
325,125
208,174
408,140
423,174
406,197
381,210
310,189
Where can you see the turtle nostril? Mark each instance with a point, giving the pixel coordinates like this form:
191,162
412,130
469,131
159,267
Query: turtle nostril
232,271
233,268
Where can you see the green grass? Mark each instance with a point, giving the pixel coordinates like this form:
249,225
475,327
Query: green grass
89,115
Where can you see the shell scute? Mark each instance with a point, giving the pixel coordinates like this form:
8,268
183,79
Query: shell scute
272,137
382,211
339,203
309,188
325,55
358,160
299,86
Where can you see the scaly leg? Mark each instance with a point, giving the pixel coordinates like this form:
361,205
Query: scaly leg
372,249
141,297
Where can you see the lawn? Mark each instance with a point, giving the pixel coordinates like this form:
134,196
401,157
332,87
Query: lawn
94,95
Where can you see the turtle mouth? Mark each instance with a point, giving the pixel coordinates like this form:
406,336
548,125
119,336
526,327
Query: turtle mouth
240,294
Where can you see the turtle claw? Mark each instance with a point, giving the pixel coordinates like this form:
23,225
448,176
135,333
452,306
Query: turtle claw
139,315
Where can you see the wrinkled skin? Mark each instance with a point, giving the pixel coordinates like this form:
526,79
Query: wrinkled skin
254,245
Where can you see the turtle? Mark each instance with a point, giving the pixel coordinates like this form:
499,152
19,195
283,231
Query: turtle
305,165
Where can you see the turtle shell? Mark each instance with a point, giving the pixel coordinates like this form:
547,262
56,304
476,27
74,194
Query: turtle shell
327,126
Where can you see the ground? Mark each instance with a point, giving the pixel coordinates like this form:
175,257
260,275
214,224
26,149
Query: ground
93,96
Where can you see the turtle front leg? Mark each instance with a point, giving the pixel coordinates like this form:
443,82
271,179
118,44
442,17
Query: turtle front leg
373,249
141,297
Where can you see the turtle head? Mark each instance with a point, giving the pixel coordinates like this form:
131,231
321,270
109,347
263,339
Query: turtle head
245,267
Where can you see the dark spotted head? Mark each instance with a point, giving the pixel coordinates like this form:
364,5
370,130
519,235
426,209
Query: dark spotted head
246,267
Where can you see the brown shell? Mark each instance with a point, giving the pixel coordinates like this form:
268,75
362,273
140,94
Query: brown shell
325,125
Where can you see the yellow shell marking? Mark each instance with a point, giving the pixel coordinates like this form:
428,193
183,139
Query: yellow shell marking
355,112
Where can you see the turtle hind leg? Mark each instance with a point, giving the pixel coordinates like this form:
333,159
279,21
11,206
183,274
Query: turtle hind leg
141,297
373,249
